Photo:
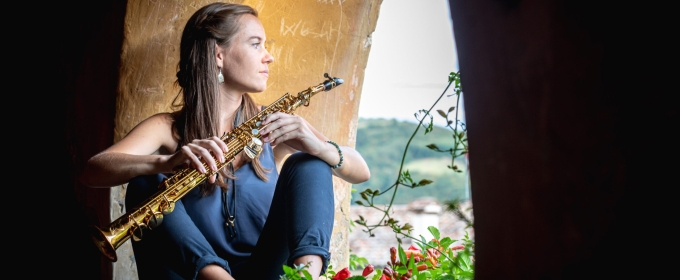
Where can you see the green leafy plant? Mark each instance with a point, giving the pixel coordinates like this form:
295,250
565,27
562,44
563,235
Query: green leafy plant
357,262
459,148
297,272
439,258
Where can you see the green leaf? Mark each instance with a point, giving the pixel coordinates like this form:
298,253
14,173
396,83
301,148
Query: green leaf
434,231
467,274
464,257
308,276
358,277
424,275
402,255
436,273
441,113
377,275
429,127
451,109
433,146
412,264
446,242
424,182
288,270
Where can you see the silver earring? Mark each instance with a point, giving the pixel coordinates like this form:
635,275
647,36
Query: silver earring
220,77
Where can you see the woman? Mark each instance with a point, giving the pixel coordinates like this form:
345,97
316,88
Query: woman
248,220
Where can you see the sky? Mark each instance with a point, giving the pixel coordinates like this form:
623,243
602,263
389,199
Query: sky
411,56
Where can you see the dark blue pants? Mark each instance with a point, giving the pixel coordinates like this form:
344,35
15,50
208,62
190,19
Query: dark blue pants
303,200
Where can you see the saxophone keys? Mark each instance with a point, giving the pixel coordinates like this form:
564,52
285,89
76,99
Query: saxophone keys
155,220
168,207
137,231
253,148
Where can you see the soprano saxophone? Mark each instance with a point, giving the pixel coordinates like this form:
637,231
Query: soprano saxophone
244,137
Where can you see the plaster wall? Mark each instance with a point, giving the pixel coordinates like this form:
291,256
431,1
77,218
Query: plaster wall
307,38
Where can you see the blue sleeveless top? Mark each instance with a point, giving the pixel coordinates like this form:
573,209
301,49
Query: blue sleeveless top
253,199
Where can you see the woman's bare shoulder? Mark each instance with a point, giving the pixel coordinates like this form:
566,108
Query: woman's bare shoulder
149,135
163,116
158,121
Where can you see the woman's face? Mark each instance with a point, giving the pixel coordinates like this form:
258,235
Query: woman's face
245,64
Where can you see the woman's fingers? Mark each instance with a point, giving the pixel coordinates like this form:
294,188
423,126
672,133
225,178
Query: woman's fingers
215,146
204,155
281,127
283,134
208,151
221,145
192,155
212,178
274,117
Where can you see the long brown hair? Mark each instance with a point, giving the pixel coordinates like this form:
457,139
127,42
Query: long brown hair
197,116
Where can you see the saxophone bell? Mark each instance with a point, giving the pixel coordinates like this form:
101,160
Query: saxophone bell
103,242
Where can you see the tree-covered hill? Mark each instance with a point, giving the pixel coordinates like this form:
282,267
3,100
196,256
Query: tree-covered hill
381,142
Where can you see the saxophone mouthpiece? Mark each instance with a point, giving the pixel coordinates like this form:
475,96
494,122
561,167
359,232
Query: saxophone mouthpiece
332,82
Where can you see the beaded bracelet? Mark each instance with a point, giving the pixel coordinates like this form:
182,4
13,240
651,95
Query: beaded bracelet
339,152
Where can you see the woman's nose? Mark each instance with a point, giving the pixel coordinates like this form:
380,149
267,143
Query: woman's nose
268,58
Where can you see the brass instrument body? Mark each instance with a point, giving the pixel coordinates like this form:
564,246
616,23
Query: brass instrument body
244,137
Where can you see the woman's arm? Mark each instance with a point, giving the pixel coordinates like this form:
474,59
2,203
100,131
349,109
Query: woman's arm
289,134
149,149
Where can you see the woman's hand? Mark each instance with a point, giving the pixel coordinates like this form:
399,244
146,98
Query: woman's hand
198,152
294,131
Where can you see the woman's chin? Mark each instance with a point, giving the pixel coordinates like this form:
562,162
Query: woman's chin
259,88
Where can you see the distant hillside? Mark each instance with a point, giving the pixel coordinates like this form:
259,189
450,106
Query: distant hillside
381,142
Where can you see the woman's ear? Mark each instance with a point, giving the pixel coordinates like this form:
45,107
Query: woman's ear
219,56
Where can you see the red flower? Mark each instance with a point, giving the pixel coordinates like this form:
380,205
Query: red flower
393,255
369,268
342,274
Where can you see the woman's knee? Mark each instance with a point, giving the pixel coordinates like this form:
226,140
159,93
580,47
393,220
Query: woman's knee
302,164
